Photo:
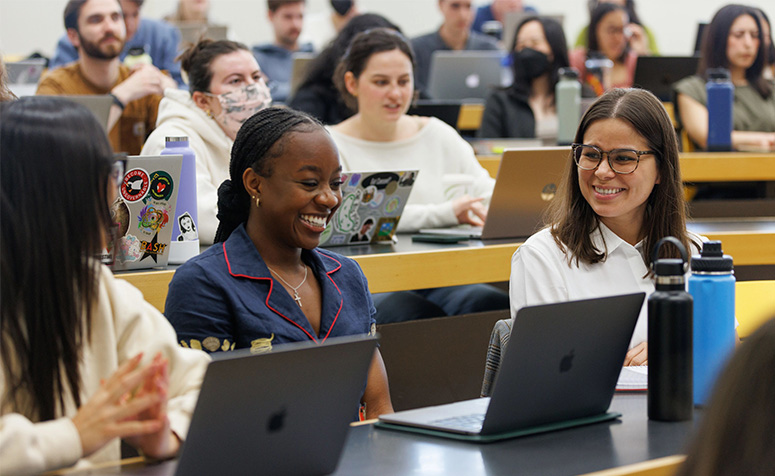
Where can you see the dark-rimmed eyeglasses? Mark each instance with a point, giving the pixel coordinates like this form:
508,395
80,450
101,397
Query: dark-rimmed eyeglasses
621,161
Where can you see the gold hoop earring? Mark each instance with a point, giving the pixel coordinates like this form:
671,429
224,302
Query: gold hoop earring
258,201
209,114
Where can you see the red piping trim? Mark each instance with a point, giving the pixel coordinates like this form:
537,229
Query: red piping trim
341,300
271,287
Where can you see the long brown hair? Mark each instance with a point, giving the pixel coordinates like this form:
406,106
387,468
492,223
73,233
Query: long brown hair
572,219
55,161
735,436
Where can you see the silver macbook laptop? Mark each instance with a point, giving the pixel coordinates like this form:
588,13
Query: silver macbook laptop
559,370
464,74
98,104
281,413
372,204
144,212
527,181
26,71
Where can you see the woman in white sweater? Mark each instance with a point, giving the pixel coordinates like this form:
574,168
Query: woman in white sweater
85,360
375,78
226,87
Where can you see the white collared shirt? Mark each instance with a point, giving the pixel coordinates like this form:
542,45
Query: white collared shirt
540,274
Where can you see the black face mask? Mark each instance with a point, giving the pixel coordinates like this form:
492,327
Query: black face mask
341,6
530,63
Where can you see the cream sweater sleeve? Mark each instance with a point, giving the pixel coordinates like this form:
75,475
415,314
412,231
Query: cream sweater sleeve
31,448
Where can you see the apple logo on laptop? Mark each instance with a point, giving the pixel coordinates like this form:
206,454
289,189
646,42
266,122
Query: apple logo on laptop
276,421
548,192
472,80
567,362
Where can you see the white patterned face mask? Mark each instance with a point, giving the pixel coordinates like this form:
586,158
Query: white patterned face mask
238,105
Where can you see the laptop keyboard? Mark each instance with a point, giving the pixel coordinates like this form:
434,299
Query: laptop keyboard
471,422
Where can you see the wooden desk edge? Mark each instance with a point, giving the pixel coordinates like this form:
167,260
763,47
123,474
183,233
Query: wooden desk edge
666,466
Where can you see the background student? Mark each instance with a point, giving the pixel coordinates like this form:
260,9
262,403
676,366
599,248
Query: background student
527,107
317,95
641,39
621,192
608,39
734,40
265,282
190,12
735,435
225,88
85,360
376,79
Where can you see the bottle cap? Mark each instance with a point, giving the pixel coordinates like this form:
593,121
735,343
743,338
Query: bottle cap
718,74
176,139
712,259
570,73
669,267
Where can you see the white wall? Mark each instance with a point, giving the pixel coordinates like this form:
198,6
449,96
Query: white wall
35,25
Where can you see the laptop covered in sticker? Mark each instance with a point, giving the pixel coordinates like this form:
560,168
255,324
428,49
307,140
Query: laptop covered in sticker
144,212
372,204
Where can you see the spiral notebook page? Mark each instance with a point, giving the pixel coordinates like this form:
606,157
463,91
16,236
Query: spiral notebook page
633,378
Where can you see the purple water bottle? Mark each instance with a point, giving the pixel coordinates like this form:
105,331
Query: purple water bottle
721,94
185,229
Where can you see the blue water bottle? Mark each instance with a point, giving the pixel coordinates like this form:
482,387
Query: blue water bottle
185,228
721,95
712,285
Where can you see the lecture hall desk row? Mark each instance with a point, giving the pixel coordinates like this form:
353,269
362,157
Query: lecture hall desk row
407,265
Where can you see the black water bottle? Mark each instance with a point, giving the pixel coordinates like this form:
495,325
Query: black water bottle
670,338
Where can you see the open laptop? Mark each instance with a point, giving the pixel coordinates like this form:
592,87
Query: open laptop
457,75
447,111
98,104
559,370
301,62
281,413
658,73
527,181
191,32
26,71
372,204
144,212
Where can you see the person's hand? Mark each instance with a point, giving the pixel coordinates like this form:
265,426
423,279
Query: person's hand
638,39
109,412
145,79
469,210
163,443
638,355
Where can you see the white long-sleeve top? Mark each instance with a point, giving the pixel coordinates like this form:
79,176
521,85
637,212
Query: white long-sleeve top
540,274
179,116
436,150
123,325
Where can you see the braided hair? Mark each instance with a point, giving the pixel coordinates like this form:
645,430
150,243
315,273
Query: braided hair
260,140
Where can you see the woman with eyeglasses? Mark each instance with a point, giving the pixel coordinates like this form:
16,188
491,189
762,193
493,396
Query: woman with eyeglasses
621,192
85,360
735,41
226,87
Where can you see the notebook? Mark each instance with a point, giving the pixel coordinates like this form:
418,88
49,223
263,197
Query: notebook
463,74
144,212
527,181
658,73
281,413
559,370
98,104
372,204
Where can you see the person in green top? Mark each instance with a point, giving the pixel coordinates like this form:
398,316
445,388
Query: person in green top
641,39
734,41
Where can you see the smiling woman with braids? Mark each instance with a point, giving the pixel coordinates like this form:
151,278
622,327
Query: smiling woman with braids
265,282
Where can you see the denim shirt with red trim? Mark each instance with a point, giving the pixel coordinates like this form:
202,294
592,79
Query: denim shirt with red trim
226,299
